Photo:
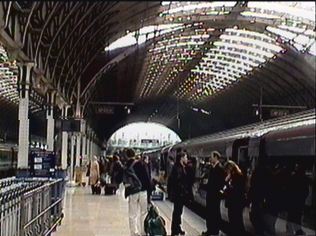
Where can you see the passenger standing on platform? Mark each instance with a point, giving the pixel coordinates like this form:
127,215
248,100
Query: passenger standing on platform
94,174
277,178
136,182
178,191
215,184
298,190
256,197
147,165
116,171
235,198
190,167
102,166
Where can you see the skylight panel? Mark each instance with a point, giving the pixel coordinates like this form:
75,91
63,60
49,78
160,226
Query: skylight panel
247,48
234,55
125,41
165,3
260,43
145,33
259,15
283,33
304,10
302,39
292,28
192,6
248,33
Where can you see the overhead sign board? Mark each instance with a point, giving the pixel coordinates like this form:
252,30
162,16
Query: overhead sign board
108,110
149,141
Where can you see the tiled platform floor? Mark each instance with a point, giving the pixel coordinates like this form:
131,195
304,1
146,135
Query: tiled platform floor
100,215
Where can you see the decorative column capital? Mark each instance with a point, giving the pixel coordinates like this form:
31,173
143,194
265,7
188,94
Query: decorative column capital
28,64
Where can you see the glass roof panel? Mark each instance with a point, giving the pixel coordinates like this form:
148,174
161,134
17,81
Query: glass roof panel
225,57
167,58
143,34
283,33
295,22
175,7
259,15
305,10
236,53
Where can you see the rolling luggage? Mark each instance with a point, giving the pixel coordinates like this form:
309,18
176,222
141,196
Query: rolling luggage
110,189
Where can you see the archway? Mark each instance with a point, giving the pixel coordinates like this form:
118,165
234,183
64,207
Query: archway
142,136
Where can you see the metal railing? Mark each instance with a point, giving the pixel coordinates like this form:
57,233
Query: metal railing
30,206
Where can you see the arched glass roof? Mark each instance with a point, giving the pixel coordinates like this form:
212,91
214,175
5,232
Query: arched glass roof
215,56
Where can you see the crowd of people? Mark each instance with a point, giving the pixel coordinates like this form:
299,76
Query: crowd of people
132,170
266,193
270,192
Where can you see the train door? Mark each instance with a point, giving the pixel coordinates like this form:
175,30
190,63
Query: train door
240,154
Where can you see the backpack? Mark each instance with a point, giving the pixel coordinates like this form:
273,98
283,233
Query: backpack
131,181
154,224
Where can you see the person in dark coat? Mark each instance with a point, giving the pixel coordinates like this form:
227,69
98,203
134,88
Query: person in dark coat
298,190
215,184
178,191
275,199
235,198
149,185
137,198
190,168
256,197
116,171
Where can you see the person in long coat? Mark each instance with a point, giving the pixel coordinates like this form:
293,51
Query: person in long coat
215,184
94,174
178,191
235,198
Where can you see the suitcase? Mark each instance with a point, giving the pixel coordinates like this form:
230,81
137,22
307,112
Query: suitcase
109,189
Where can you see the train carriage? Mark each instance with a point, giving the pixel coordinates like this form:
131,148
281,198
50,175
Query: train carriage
8,159
284,141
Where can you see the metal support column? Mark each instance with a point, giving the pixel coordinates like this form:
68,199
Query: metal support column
78,148
84,140
72,156
64,149
88,144
50,121
25,73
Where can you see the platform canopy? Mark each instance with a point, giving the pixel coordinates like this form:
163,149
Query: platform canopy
196,67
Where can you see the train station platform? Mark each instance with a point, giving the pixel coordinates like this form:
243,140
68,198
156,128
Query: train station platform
102,215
